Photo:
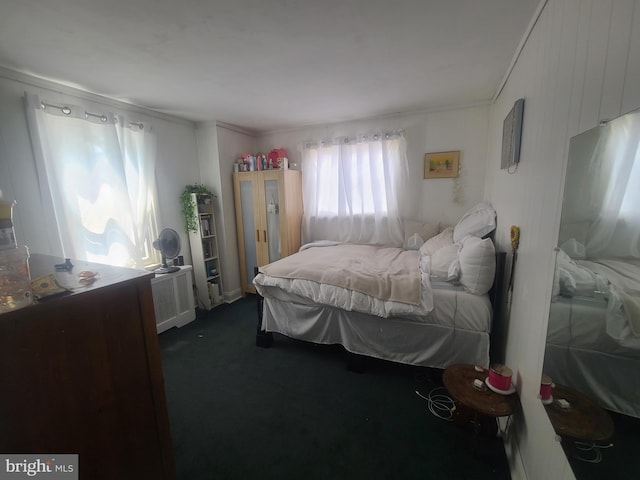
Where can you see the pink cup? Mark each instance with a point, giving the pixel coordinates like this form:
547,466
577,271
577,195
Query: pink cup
545,387
500,377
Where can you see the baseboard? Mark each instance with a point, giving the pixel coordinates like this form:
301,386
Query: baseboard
511,449
233,295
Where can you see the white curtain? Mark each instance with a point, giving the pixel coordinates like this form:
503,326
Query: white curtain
97,173
352,189
615,170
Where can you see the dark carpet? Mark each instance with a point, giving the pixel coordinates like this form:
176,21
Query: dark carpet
295,411
620,461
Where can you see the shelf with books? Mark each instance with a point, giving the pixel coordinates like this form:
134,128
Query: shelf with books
205,254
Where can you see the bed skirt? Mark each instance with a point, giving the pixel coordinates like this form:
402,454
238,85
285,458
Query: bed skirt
394,339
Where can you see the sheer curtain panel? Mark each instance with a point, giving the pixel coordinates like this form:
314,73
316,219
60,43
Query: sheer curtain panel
97,176
352,189
615,171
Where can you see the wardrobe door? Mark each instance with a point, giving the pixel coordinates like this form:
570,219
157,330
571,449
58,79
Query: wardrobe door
248,226
271,189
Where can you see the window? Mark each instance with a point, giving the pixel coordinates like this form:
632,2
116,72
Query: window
98,171
631,199
613,196
352,188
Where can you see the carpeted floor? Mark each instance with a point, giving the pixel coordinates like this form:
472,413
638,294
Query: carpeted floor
620,461
294,411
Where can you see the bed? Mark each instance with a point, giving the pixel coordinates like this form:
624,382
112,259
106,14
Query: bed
592,339
432,306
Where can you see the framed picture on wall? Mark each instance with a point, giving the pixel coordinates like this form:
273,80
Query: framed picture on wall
442,164
512,135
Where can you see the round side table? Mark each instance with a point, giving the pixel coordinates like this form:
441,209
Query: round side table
582,421
458,380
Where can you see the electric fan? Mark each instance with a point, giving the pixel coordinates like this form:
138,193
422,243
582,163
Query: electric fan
168,242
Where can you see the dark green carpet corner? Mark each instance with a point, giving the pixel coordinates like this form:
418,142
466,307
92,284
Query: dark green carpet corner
294,411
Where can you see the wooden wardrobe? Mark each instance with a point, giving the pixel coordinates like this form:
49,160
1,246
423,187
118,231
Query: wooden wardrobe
268,206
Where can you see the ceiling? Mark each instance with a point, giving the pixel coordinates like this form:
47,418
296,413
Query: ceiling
270,64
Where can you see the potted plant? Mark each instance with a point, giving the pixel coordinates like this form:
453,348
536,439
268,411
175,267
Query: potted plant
189,207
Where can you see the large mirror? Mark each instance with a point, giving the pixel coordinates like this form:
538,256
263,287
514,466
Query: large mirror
593,340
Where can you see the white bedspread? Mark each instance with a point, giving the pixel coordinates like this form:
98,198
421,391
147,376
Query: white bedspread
378,301
624,278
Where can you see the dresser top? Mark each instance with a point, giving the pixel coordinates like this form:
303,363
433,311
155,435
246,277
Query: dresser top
76,281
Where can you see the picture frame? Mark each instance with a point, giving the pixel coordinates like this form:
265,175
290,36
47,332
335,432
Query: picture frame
512,135
442,164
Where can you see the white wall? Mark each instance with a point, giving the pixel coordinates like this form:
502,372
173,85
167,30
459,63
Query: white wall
177,157
580,64
220,146
464,129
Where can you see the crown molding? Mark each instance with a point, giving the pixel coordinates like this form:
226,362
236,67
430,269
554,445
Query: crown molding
520,48
62,88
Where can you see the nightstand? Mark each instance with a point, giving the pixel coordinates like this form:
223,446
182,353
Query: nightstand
482,402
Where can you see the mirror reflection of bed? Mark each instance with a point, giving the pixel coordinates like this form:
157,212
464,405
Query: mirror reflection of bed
593,336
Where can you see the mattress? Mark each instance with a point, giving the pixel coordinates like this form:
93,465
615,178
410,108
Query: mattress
580,354
581,323
452,306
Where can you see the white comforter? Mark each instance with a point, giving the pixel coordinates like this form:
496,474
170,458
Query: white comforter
623,295
618,281
351,300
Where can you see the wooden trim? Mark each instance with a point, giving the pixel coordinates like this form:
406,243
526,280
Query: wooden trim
496,294
147,313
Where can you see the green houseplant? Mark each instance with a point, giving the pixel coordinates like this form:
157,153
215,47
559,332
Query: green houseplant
189,207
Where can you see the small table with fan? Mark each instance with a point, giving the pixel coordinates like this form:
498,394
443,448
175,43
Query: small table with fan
474,402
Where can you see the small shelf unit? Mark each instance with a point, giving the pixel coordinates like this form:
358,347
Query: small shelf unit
205,253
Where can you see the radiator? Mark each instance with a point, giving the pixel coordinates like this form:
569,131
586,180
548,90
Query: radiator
173,298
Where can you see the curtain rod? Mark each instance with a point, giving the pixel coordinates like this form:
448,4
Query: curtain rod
347,139
103,118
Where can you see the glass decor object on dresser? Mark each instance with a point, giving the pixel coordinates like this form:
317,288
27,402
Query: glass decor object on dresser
268,207
204,252
593,335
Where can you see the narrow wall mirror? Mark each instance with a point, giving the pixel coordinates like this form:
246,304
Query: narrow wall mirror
593,341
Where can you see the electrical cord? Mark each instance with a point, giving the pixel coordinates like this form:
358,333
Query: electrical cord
594,449
439,404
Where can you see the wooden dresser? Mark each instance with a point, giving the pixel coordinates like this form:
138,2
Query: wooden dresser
81,373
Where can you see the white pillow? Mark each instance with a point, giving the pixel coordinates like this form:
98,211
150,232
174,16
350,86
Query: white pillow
425,230
574,249
477,264
414,242
477,222
578,230
575,279
566,282
444,263
434,244
563,282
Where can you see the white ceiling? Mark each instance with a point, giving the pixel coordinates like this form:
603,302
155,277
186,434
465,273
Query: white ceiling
269,64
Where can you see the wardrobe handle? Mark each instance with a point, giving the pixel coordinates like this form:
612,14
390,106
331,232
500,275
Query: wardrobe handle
264,233
258,236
